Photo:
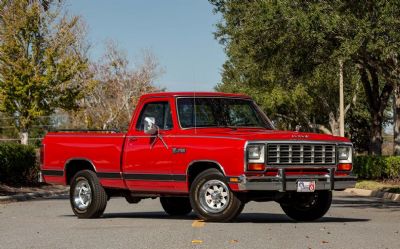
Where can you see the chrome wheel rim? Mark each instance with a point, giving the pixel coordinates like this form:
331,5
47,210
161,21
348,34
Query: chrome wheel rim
214,196
82,195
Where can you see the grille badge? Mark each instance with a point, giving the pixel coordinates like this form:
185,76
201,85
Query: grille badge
299,136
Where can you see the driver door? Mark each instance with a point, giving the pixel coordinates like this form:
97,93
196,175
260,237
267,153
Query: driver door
147,159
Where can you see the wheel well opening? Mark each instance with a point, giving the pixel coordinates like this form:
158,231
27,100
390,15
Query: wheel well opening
74,166
196,168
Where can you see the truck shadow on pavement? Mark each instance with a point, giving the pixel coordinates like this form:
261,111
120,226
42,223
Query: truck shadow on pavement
148,215
282,218
243,218
355,202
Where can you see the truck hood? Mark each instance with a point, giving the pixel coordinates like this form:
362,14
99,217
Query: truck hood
262,134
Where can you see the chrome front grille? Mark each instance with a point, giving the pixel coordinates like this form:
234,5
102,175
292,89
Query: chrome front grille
300,154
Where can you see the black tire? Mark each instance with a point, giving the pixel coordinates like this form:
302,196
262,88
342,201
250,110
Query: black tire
98,196
307,206
176,205
206,210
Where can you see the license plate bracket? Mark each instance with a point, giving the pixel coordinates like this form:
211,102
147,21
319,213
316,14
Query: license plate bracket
305,186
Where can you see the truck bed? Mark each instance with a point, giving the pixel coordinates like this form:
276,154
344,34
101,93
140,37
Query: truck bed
102,148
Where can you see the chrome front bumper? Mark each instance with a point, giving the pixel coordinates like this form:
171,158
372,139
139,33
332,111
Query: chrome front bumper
282,182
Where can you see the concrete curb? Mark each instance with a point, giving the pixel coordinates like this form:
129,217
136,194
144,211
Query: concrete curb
374,193
35,195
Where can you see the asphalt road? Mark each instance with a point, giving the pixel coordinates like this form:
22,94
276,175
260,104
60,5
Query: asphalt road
352,222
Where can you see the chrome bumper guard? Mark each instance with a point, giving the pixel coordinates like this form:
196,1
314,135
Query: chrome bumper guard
282,182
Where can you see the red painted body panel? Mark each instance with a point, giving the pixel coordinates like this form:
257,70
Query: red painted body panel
113,183
103,150
54,179
141,156
132,157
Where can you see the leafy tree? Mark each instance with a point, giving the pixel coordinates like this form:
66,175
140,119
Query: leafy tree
115,89
287,52
7,129
42,60
358,125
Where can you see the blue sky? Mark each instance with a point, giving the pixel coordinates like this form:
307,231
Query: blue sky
178,32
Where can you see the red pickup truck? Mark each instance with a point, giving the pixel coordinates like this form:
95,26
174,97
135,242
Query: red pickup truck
210,152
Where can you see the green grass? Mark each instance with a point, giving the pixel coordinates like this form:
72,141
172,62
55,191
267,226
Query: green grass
375,185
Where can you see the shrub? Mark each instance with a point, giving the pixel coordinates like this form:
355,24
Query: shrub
18,164
392,168
377,167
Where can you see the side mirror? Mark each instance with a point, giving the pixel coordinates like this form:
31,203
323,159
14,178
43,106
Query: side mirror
150,126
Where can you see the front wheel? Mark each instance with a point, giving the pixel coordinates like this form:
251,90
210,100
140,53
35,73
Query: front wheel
212,199
307,206
88,198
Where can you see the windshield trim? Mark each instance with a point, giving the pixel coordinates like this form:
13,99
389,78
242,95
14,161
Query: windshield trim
263,116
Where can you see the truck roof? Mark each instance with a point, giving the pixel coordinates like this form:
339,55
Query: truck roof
197,94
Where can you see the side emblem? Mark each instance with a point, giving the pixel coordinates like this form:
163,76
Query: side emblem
178,150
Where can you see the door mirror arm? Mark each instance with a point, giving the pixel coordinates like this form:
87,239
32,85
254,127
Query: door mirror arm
151,128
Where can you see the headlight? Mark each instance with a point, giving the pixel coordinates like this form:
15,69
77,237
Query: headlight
345,154
255,153
255,157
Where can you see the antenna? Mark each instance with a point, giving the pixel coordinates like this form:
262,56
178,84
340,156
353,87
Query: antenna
194,103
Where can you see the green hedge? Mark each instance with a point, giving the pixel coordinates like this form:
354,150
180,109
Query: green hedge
377,167
18,164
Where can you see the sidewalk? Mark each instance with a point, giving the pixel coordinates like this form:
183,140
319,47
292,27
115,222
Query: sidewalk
374,193
12,194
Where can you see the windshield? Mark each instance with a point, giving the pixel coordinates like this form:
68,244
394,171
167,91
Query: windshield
220,112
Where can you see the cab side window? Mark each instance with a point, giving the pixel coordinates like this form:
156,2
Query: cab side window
161,111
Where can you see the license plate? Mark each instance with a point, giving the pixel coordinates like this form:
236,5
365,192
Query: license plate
305,186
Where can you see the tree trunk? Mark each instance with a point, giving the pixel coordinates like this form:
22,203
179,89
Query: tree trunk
377,102
396,123
334,124
24,137
375,144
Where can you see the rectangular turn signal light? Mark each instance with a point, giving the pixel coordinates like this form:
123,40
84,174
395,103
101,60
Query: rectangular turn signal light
345,167
234,179
256,166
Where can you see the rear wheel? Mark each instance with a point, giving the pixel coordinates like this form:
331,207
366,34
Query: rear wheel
176,205
307,206
87,197
212,199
